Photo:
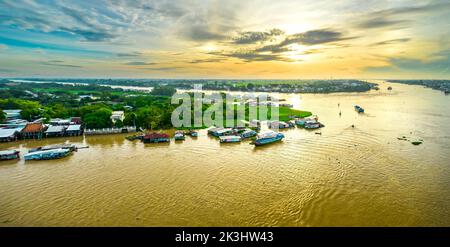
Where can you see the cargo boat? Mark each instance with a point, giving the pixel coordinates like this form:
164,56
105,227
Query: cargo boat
9,155
267,137
229,139
48,154
156,138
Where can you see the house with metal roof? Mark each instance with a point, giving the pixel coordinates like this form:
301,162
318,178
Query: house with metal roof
9,134
74,130
55,130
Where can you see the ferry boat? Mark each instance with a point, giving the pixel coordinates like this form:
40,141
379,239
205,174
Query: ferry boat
9,155
248,133
48,154
179,136
229,139
156,138
359,109
267,137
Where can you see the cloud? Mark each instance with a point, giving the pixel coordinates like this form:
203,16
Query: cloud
254,37
315,37
138,63
131,54
60,63
162,68
390,42
381,22
209,60
252,56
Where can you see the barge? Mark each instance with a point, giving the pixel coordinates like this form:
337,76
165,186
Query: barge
47,154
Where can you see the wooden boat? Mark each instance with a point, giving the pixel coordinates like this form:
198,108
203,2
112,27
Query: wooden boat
179,136
193,133
70,147
220,131
278,125
47,154
389,88
134,137
359,109
267,137
313,125
156,138
9,155
229,139
301,121
248,133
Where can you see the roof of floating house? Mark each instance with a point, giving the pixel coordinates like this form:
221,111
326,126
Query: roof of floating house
76,120
55,129
33,128
76,127
5,133
156,135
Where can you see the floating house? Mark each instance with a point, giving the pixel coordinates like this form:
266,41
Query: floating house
229,139
156,138
76,120
33,131
267,137
9,155
10,134
48,154
301,121
286,105
55,130
74,130
278,125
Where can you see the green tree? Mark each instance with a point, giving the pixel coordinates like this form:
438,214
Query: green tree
2,116
118,124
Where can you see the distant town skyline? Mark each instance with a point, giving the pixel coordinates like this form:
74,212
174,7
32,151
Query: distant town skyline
230,39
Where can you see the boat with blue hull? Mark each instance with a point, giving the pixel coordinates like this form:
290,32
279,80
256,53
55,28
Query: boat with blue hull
267,137
48,154
229,139
9,155
248,134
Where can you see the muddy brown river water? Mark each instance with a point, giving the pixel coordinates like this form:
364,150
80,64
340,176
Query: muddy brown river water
361,176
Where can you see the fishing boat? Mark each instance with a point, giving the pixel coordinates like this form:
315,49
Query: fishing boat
70,147
359,109
229,139
9,155
267,137
248,133
313,125
301,121
156,138
47,154
179,136
278,125
193,133
220,131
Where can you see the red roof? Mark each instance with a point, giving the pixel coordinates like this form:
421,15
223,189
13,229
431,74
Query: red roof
156,135
76,120
33,128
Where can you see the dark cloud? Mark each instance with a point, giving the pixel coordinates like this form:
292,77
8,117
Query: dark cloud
131,54
162,68
273,49
252,56
315,37
209,60
60,64
255,37
390,42
381,22
91,35
139,63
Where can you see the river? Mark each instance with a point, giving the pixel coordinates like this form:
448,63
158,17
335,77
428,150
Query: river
361,176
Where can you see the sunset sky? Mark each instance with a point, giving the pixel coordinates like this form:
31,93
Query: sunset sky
225,39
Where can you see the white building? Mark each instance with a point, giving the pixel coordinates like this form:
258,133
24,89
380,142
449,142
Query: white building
117,115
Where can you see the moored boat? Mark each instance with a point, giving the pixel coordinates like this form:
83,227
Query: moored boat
359,109
47,154
70,147
9,155
312,125
179,136
301,121
248,133
193,133
156,138
229,139
267,137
